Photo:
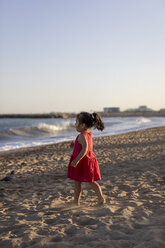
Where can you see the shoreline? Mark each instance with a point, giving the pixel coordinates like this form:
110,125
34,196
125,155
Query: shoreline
35,209
68,142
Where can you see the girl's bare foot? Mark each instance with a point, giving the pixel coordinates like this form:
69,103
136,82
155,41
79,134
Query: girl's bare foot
101,201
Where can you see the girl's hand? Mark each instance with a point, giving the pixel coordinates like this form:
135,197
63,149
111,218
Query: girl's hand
82,140
74,163
84,143
72,144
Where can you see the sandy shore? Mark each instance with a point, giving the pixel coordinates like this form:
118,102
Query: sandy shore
34,210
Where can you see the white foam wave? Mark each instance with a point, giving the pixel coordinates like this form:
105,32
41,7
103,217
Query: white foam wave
49,128
37,131
143,120
55,128
18,145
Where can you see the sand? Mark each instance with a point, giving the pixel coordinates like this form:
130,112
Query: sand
35,210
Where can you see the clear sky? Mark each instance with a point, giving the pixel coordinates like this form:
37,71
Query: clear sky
74,55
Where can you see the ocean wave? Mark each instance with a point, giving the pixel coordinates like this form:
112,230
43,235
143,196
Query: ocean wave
25,144
142,120
55,128
36,131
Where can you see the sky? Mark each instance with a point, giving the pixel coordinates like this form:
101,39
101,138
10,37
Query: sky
81,55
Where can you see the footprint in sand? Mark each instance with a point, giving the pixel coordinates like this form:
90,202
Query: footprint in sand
71,230
87,221
50,221
102,212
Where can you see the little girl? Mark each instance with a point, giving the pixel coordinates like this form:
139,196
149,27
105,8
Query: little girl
83,165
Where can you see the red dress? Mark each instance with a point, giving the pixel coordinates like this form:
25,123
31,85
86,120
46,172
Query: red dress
87,170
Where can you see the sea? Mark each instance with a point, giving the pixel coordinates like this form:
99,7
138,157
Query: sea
18,133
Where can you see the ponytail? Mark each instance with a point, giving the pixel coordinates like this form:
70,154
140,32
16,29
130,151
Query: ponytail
91,120
97,122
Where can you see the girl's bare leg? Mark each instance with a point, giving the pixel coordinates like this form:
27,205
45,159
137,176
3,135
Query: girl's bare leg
97,189
77,192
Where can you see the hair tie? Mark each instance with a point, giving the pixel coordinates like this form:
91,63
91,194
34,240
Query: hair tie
93,117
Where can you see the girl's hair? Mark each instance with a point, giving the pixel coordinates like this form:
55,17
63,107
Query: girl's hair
91,120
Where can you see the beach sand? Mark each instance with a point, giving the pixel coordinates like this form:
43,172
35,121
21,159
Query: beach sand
34,205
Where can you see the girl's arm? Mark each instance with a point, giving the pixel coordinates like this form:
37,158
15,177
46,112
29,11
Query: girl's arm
82,140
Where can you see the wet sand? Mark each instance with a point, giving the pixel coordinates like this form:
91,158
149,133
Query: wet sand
34,205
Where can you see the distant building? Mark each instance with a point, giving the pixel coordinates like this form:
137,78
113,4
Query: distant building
162,110
112,110
142,108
